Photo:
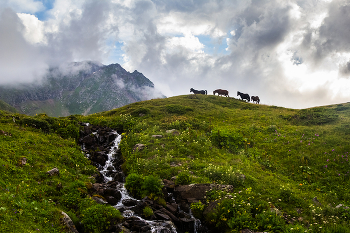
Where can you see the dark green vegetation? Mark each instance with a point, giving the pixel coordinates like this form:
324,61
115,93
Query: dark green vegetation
277,159
30,199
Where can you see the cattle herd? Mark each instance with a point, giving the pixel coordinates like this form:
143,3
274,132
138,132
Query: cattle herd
243,96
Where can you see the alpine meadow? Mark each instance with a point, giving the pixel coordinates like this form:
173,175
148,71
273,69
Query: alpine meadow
288,170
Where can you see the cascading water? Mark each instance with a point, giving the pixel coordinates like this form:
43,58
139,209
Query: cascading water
101,146
108,170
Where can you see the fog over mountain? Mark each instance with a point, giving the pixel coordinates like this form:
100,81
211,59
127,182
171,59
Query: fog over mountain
291,53
79,88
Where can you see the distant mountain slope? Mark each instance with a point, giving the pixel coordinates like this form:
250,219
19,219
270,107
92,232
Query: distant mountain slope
80,88
6,107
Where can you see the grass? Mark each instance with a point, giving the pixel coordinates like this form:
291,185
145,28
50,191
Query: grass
30,199
287,157
276,158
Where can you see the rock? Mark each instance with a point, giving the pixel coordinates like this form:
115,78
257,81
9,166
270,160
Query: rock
119,176
111,200
172,207
196,192
53,171
129,202
23,161
187,224
112,192
170,185
139,146
173,131
157,136
343,206
99,200
172,216
69,223
161,216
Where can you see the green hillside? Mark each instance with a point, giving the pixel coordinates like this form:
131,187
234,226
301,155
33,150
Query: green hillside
6,107
289,168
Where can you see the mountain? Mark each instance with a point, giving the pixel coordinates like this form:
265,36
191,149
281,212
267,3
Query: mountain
80,88
6,107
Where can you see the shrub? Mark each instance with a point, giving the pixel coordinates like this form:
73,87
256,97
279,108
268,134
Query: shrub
73,194
133,184
97,218
147,211
152,186
36,123
227,139
197,209
270,221
183,178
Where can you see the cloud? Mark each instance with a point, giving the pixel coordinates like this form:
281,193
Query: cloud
20,61
23,6
291,53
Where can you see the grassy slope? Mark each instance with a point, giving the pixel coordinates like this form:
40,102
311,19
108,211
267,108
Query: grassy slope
6,107
30,199
287,157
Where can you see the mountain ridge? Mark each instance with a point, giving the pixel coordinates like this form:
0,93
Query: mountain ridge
80,88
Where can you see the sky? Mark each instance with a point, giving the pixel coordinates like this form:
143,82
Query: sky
290,53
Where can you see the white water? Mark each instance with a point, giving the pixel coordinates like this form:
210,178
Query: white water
156,226
109,161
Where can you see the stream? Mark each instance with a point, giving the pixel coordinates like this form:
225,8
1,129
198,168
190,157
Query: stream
108,164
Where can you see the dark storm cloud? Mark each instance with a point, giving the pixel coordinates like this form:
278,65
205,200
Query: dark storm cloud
333,35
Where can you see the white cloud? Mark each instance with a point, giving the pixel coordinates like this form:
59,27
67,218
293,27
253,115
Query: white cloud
23,6
34,28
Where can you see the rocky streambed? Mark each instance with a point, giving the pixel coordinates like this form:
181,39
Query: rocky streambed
100,145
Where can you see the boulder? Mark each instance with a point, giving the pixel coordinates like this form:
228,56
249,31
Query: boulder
196,192
129,202
53,171
69,223
173,131
139,146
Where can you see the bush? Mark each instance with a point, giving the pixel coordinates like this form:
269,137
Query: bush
73,194
97,218
227,139
183,178
270,221
147,211
152,186
36,123
133,184
197,209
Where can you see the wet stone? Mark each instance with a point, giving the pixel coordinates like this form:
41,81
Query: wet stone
129,202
